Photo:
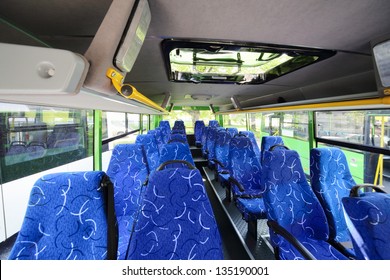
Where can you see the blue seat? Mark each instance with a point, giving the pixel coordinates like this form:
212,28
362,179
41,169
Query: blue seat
331,180
150,147
178,138
205,132
128,172
159,137
176,221
267,142
368,218
251,136
245,181
198,129
165,125
222,170
214,123
66,219
232,131
211,139
298,225
179,125
176,151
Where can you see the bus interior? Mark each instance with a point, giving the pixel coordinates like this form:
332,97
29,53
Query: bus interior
79,78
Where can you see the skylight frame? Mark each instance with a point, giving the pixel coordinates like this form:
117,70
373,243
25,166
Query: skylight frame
299,57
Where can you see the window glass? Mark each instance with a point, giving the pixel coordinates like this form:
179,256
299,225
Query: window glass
116,124
235,120
218,62
189,115
371,128
35,138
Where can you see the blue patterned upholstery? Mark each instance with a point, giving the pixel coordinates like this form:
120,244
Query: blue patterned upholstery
267,142
232,131
65,219
244,166
178,138
292,204
222,156
213,123
369,224
165,129
178,131
165,125
198,129
251,136
176,221
128,172
246,169
176,151
205,132
331,180
211,140
159,137
179,125
150,147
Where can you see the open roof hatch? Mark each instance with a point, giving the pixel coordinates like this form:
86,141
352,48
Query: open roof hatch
238,63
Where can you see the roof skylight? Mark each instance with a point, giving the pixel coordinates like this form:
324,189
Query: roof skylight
202,62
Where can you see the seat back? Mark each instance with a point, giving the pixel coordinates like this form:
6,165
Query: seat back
368,219
165,125
232,131
251,136
179,125
211,139
150,147
267,142
213,123
159,137
222,148
289,199
331,180
205,132
199,125
244,164
128,172
65,219
178,138
176,221
176,151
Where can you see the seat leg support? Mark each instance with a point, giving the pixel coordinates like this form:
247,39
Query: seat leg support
252,228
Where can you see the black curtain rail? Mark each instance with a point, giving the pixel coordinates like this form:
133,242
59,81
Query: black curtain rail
108,140
361,147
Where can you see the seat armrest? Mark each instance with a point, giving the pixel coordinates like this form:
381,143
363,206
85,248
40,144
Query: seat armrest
274,226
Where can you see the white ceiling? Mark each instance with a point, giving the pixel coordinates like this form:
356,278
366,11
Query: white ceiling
347,26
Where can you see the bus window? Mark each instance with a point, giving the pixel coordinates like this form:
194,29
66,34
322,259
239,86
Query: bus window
189,115
237,120
35,138
368,130
117,124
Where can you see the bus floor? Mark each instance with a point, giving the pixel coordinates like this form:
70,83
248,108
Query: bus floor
233,229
